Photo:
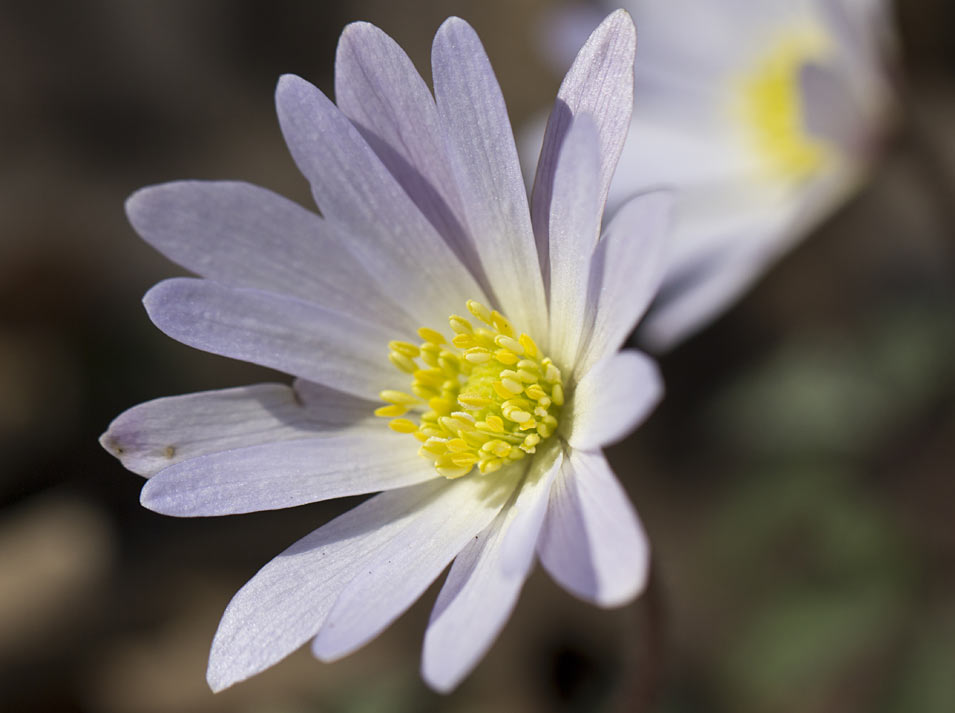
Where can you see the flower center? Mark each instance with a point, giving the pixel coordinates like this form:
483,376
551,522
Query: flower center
485,399
771,107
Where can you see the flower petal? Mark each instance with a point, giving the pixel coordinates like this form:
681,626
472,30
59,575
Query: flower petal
271,476
485,162
400,571
520,540
712,266
592,543
283,333
612,399
625,273
247,236
285,603
474,604
353,189
160,433
574,227
378,88
600,83
482,587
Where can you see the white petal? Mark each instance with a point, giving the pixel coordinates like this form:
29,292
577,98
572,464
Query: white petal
283,333
481,590
592,543
612,399
378,88
271,476
160,433
520,540
247,236
284,605
599,83
711,267
353,189
574,227
391,581
625,274
485,162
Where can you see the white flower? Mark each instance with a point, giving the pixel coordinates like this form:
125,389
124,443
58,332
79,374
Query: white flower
765,115
423,215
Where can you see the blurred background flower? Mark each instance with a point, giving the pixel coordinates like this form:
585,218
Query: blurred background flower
765,117
796,482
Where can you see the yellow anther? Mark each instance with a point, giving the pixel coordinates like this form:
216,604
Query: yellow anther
403,425
391,411
397,397
512,385
460,324
403,362
406,348
430,353
425,393
435,446
464,459
530,346
490,465
440,405
474,400
479,311
429,377
464,341
502,324
551,374
485,400
477,355
431,335
501,390
557,395
505,342
458,445
506,357
451,472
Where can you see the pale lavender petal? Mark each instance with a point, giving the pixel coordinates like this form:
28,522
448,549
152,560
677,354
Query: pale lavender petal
284,605
485,162
378,88
599,83
718,258
612,399
592,542
658,153
283,333
353,189
479,594
247,236
520,540
399,573
271,476
160,433
574,227
625,274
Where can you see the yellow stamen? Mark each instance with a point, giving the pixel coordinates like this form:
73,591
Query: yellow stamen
487,399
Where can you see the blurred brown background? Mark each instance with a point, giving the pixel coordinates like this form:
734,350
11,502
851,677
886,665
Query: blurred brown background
796,483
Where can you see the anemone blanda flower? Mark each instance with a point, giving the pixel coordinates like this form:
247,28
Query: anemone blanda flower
764,115
493,455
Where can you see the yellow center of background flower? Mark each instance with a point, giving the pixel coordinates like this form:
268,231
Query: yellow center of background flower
485,399
771,105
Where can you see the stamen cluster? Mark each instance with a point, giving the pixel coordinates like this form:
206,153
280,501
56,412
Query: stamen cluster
485,399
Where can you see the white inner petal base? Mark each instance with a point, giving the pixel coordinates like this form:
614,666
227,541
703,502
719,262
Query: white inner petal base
486,399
